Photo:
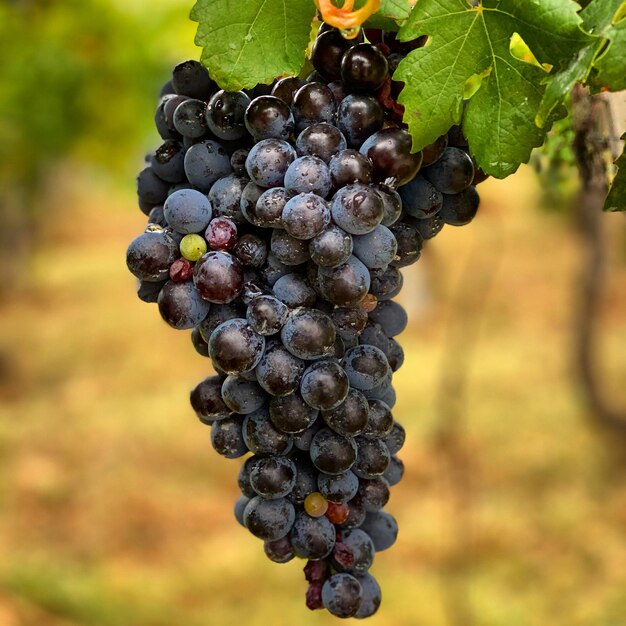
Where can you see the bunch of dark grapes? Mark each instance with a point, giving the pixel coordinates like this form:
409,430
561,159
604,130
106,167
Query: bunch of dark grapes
278,223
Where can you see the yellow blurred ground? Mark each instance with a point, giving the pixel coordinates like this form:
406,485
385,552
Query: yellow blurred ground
114,511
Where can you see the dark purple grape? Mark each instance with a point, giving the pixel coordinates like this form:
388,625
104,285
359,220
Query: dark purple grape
267,315
429,228
251,250
395,355
243,478
392,204
332,453
225,197
366,366
308,334
206,400
288,249
324,385
192,79
240,507
350,417
279,551
345,285
238,161
264,208
262,437
390,152
342,595
242,396
285,88
269,117
395,471
364,68
349,321
302,440
269,519
359,117
332,247
327,52
373,458
395,439
219,313
206,162
187,211
372,596
227,439
273,477
356,514
168,162
434,151
218,276
306,215
382,529
306,478
380,421
181,306
166,130
461,208
357,208
321,140
348,167
189,118
453,172
376,249
456,138
274,269
386,284
374,493
198,342
340,488
312,537
150,188
225,114
268,161
313,103
391,316
409,244
279,372
150,255
362,549
421,198
291,414
339,90
308,174
234,347
294,291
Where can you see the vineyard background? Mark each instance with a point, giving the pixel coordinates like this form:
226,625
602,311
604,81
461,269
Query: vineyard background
114,511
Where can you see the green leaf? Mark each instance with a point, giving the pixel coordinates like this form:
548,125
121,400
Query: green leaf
467,40
611,65
252,42
616,200
596,18
397,10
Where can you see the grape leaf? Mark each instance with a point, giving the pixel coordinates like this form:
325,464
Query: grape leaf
611,64
596,18
616,200
468,40
251,42
397,10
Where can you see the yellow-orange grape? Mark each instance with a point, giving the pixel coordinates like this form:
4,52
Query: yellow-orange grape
315,504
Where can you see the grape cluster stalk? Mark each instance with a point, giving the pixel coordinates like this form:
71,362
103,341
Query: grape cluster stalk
278,223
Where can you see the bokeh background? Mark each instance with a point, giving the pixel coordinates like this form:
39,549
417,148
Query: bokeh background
114,511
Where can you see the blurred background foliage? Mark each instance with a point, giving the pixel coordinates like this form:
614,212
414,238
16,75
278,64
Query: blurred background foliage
113,509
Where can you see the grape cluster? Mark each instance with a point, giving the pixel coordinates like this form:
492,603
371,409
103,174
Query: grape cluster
278,222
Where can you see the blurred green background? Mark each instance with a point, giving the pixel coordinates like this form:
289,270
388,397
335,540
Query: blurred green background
114,511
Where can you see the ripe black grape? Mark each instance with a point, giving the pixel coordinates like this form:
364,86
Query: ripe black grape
364,67
269,117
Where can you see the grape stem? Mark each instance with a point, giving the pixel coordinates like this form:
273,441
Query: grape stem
345,18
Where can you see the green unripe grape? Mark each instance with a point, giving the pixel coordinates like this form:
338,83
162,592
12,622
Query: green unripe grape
192,247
